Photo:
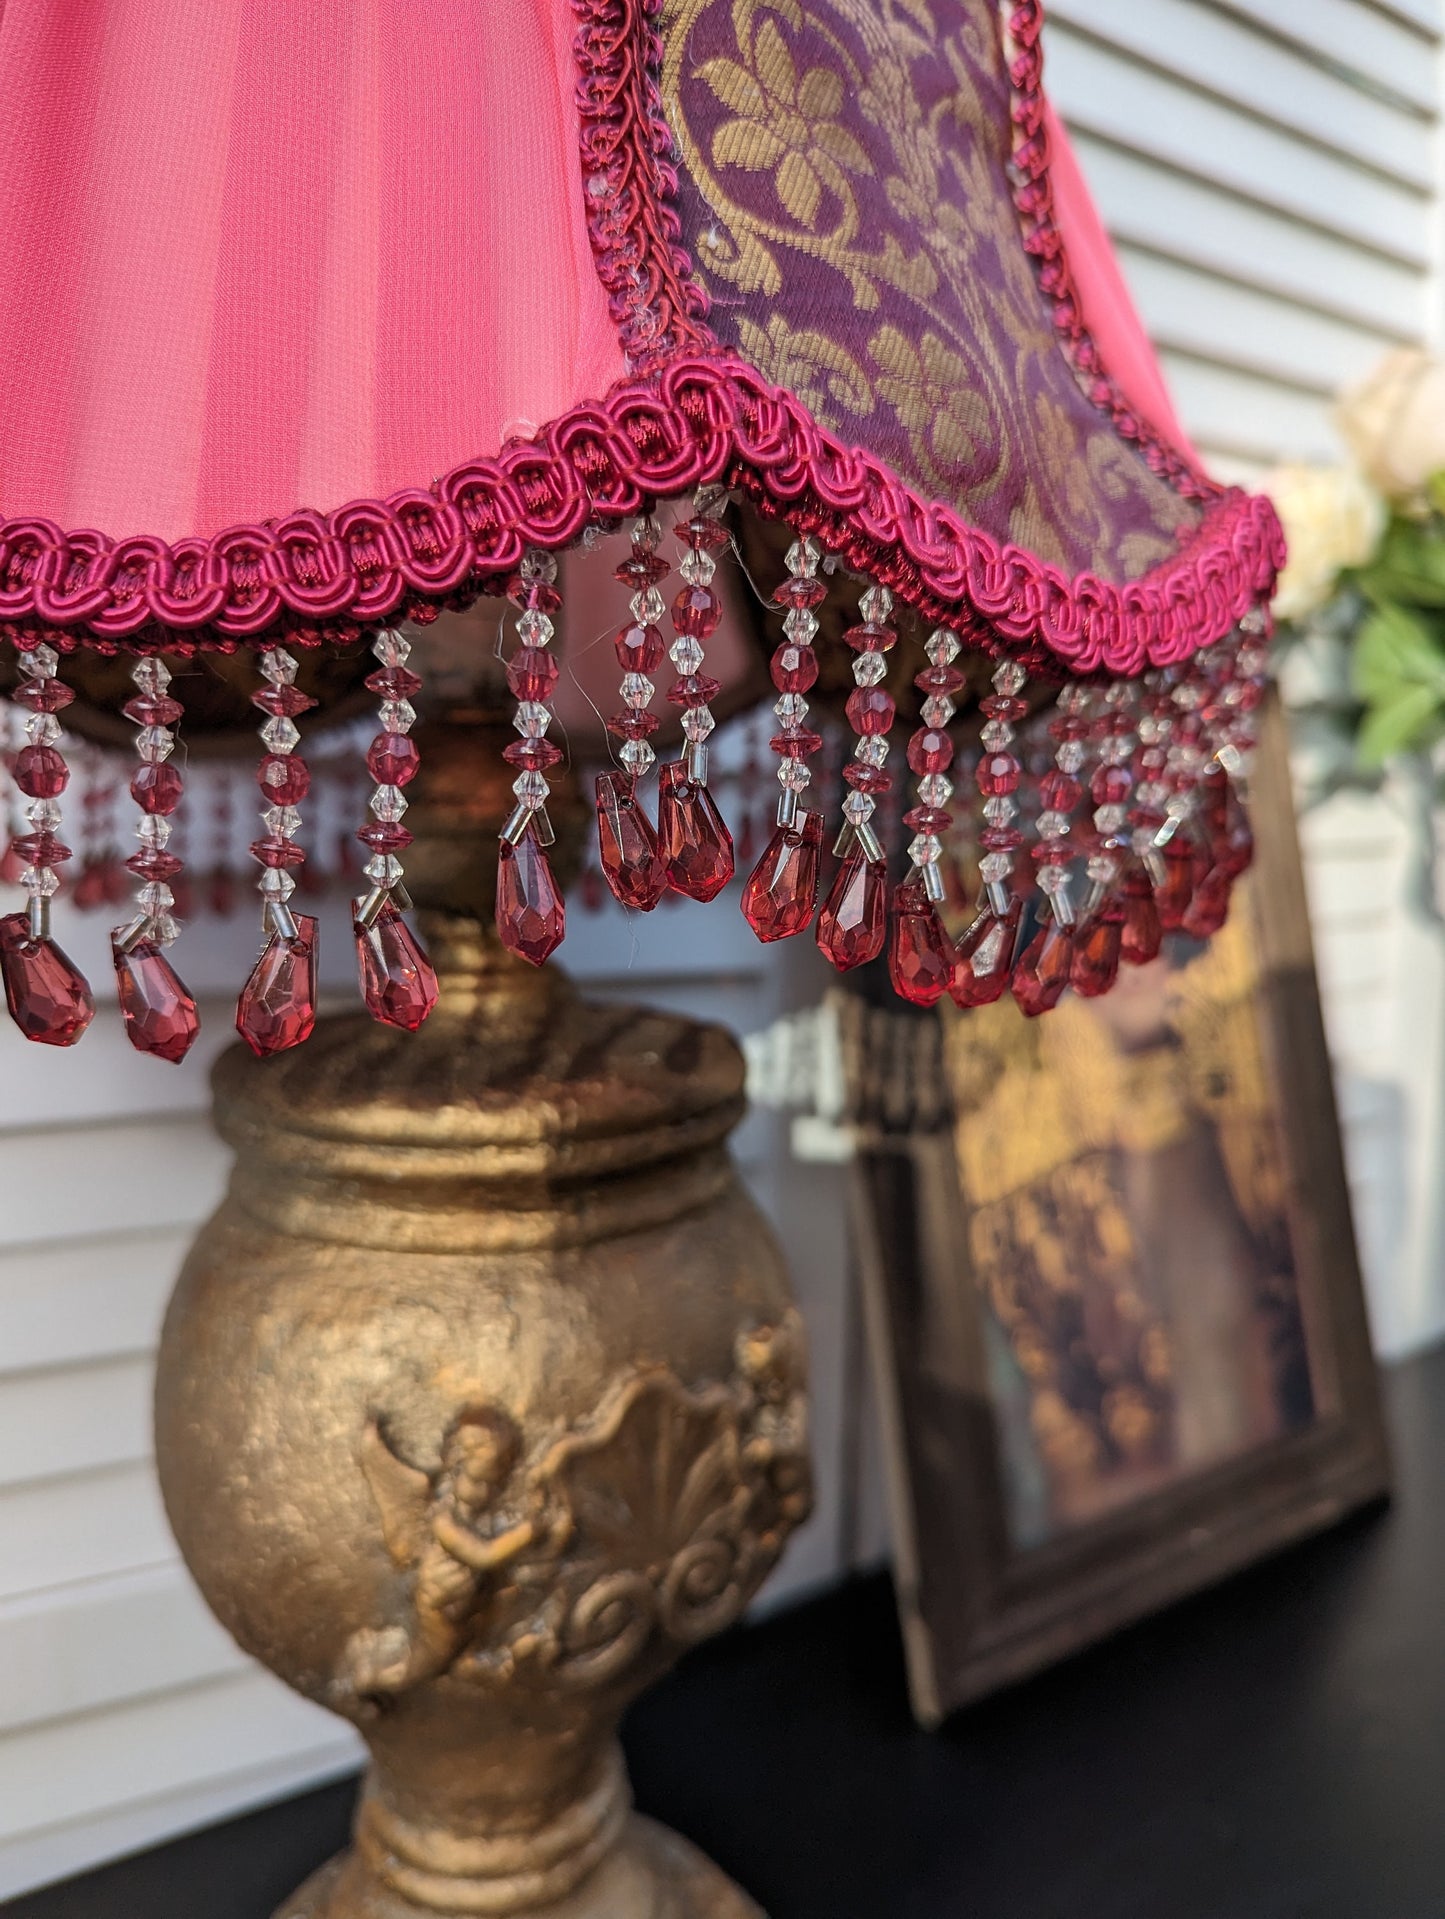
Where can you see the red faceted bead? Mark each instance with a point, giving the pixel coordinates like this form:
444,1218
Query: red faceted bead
156,788
998,774
634,725
393,683
1111,785
531,916
870,710
160,1015
694,689
1209,908
537,596
941,681
696,612
283,778
1059,792
701,530
154,865
1003,706
392,759
532,673
806,592
867,779
781,894
641,570
385,836
627,844
928,819
1181,870
281,702
277,852
853,924
532,756
871,639
1142,936
984,964
40,772
639,649
1042,972
920,953
1231,838
691,836
47,995
930,750
43,696
277,1007
42,849
397,981
152,709
794,668
1098,948
798,743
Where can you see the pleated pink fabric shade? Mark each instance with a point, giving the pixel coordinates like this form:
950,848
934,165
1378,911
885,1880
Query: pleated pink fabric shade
319,319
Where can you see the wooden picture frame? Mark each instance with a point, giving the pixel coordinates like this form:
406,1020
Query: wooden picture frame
984,1601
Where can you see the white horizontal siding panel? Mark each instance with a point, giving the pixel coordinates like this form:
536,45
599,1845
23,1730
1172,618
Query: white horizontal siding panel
86,1299
103,1076
71,1421
1360,36
95,1645
1097,90
1205,48
59,1184
58,1852
52,1775
1198,313
1238,414
60,1531
1173,213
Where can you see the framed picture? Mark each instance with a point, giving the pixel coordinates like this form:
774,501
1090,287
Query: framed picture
1112,1286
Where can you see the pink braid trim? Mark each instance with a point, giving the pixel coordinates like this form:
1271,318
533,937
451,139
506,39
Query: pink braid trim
696,419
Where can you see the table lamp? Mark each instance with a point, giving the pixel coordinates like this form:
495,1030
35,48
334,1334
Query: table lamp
346,343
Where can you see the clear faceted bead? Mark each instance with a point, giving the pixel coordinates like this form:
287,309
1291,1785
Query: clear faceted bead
802,558
935,789
42,729
686,655
858,808
1070,756
637,690
40,662
153,830
278,666
155,897
648,607
924,848
1008,677
937,710
869,669
284,822
540,566
698,567
534,628
388,803
281,734
637,756
531,789
391,647
40,882
698,723
276,884
942,648
531,719
151,676
875,605
995,735
791,709
154,744
383,869
397,716
800,624
994,868
794,776
872,750
43,815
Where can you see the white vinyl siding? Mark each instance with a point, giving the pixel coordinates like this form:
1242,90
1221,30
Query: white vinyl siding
1270,171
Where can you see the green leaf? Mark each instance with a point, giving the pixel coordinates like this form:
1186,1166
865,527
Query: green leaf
1395,650
1409,720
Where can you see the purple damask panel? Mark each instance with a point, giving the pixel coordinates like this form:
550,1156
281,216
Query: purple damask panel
845,196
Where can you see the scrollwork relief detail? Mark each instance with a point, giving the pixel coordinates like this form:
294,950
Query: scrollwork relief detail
564,1562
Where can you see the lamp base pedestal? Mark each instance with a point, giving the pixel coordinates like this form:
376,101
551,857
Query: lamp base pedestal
650,1873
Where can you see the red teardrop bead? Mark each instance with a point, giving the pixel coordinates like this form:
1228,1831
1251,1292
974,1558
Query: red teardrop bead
853,924
1181,870
277,1007
920,953
1231,837
160,1015
397,981
1143,936
1097,948
531,916
781,895
696,846
1209,908
627,844
1043,971
46,993
984,963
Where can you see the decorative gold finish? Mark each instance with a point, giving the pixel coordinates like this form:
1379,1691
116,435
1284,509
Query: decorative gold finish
480,1398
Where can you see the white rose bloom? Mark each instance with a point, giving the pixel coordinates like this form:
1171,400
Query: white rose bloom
1394,423
1332,518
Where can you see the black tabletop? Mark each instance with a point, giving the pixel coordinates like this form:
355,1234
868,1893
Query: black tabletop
1271,1750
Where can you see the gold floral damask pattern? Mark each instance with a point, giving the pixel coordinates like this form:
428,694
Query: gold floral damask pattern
845,197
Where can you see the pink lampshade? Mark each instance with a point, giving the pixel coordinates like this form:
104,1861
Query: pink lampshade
317,319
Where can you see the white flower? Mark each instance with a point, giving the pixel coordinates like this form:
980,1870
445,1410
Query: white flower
1394,423
1332,518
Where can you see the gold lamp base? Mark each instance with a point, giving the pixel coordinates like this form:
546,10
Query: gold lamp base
480,1399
